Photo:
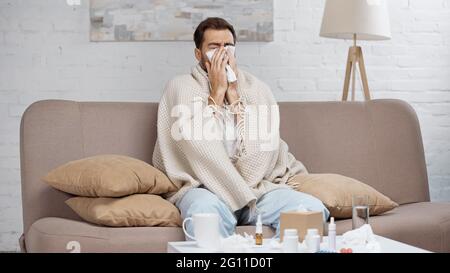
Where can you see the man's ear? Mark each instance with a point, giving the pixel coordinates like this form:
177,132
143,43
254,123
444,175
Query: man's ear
198,54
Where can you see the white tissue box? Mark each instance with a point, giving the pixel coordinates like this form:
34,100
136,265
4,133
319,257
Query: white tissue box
301,220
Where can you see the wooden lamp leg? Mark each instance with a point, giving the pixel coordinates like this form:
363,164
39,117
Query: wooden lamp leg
353,78
348,72
354,57
362,70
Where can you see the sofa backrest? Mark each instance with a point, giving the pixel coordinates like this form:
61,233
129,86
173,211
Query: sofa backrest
378,142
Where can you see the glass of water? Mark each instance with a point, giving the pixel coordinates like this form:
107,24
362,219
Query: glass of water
360,210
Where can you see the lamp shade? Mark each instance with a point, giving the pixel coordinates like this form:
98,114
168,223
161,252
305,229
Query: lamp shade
368,19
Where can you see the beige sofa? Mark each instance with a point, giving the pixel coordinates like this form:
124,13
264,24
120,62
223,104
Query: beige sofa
378,142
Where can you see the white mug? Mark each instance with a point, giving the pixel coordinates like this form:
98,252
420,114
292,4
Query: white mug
206,230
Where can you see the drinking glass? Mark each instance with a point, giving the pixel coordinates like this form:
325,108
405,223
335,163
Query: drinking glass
360,210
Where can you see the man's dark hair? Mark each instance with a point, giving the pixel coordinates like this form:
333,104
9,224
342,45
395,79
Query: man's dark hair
211,23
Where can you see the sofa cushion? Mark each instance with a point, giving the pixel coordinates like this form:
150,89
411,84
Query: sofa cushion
136,210
335,191
425,225
108,175
52,234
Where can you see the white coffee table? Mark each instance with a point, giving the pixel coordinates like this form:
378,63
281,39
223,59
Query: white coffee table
387,246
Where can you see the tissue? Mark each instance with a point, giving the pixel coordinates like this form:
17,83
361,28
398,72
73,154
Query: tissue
237,243
302,208
231,76
361,239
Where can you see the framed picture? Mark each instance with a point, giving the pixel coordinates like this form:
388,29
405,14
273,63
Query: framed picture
172,20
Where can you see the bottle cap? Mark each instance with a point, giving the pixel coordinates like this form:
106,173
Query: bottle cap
312,231
259,224
332,225
290,232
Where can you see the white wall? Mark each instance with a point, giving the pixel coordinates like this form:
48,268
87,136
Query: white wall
45,53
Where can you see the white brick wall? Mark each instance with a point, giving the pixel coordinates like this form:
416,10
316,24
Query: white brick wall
45,53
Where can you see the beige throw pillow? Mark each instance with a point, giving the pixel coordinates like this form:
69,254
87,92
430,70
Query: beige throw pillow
136,210
109,176
335,191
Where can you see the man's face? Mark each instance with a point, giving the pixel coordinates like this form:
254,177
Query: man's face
212,39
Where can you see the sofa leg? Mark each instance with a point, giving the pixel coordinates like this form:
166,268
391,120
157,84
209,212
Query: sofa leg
23,249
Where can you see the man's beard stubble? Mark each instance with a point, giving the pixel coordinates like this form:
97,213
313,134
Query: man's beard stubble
203,62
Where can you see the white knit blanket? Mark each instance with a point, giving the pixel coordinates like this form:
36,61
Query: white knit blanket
189,159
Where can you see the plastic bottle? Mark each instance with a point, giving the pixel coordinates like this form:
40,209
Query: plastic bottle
332,234
258,232
312,240
290,240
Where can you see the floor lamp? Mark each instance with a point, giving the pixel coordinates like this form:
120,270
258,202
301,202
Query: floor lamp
356,20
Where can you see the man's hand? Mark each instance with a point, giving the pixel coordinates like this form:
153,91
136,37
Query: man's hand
217,75
232,94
